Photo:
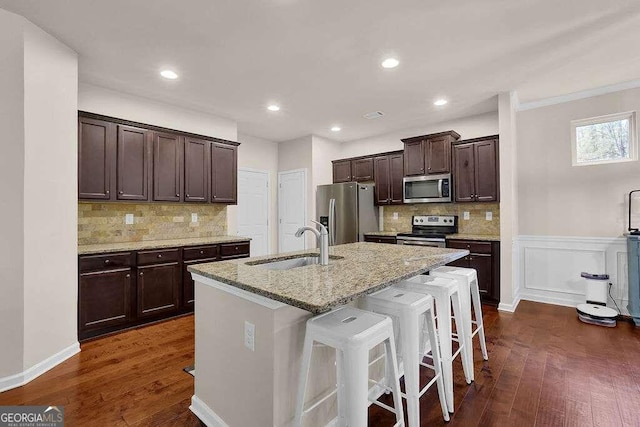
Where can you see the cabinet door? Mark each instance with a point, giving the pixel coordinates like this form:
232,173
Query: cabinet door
464,172
167,167
188,295
197,173
158,289
224,173
341,171
462,262
362,169
482,264
414,158
486,171
133,163
104,299
396,173
438,157
96,156
382,184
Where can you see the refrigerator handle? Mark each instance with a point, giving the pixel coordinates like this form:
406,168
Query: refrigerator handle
332,221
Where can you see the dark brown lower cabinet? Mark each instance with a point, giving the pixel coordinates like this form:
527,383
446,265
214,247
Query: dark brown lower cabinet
123,290
380,239
158,289
484,257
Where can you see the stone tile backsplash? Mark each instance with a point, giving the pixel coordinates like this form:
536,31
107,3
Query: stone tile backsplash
105,222
476,224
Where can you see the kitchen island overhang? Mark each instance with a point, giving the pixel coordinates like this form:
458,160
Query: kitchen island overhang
236,385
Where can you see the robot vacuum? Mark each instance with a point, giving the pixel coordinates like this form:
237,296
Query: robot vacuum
595,310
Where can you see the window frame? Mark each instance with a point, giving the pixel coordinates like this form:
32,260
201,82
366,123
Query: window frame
633,141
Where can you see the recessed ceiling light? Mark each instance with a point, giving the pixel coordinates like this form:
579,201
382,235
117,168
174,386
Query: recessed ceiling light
273,107
440,102
336,129
390,63
169,74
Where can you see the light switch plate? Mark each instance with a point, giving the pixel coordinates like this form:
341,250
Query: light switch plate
465,215
194,217
250,335
395,215
128,219
489,216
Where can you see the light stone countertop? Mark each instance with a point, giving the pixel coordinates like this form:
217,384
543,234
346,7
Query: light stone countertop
485,237
106,248
363,269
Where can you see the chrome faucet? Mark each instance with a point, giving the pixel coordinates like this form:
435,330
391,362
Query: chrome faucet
323,240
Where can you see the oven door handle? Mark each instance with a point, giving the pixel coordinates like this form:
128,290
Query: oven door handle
420,243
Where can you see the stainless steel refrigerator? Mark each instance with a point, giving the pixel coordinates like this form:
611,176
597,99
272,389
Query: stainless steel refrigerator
347,210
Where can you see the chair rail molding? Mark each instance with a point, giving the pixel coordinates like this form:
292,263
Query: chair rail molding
549,268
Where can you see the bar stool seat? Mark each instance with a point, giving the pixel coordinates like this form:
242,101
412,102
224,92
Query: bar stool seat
353,333
412,312
446,294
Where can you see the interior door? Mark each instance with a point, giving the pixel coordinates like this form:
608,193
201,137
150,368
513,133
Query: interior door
253,209
292,209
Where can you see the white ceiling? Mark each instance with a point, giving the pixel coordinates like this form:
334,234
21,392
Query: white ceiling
320,60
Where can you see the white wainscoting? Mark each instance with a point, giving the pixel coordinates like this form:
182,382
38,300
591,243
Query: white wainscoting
550,266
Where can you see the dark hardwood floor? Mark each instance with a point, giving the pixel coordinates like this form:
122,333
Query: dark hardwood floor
545,368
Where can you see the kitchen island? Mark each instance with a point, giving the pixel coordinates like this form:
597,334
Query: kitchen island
250,325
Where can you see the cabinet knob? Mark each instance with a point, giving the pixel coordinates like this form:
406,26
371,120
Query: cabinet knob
177,194
107,192
215,197
120,192
159,255
428,168
106,261
236,248
470,258
141,273
201,252
128,275
187,195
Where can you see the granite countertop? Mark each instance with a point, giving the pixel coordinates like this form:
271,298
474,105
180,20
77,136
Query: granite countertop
157,244
485,237
363,269
382,233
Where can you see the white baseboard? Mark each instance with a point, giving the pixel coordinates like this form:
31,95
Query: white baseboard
206,414
510,308
22,378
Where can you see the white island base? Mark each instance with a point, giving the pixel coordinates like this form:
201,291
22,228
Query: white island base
235,386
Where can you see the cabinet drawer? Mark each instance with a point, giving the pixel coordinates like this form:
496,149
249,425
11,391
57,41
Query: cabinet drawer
159,256
234,250
105,262
200,252
472,245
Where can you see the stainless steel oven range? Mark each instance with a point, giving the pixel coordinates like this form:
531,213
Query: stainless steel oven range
429,230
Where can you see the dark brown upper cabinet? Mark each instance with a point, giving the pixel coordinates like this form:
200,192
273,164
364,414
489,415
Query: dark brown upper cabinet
96,154
341,171
167,167
224,169
428,154
389,170
362,169
197,170
475,168
133,163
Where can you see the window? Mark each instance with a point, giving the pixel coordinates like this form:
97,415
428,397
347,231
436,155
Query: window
605,139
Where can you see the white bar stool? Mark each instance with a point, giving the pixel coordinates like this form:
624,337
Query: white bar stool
410,311
446,293
468,281
353,333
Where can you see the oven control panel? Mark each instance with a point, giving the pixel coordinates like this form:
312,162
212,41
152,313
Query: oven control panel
435,220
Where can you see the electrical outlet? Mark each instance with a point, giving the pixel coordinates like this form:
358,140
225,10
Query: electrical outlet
465,215
128,219
395,215
488,216
250,335
194,217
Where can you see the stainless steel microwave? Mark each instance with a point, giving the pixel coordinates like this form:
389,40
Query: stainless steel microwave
427,189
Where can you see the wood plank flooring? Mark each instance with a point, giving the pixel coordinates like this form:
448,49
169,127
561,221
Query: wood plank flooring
545,368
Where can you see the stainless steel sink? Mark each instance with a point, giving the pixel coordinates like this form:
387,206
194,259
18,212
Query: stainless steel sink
288,264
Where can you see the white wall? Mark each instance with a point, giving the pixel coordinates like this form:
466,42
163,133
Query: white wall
11,187
557,199
50,196
467,127
121,105
298,154
38,116
258,153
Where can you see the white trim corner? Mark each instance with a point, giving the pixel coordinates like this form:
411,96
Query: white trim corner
205,414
